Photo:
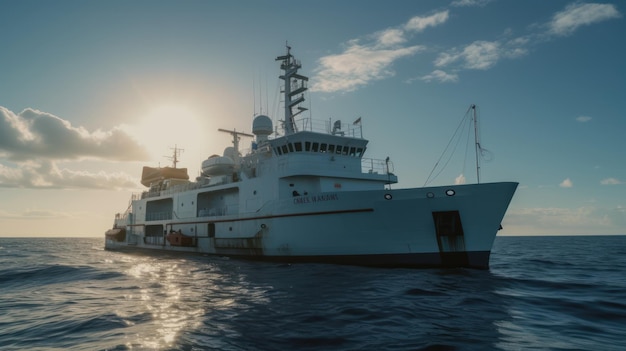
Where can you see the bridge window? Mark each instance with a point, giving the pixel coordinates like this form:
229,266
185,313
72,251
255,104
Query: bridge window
307,146
331,149
290,147
316,147
298,147
323,147
284,149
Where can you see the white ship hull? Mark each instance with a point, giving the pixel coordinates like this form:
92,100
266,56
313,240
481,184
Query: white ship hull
377,228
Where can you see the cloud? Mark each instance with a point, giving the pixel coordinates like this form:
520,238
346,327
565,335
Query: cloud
580,14
482,55
555,220
34,214
419,23
468,3
371,58
356,67
611,181
36,141
485,54
567,183
34,134
45,174
440,76
583,119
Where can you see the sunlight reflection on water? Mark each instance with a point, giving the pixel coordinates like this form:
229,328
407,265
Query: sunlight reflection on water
172,306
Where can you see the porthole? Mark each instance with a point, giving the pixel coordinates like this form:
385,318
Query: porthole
450,192
388,197
430,195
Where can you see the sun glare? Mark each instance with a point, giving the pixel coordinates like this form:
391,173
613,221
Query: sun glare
170,125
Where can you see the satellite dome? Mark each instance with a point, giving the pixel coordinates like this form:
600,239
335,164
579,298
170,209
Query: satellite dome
230,152
262,125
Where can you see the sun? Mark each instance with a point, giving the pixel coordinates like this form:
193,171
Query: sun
170,125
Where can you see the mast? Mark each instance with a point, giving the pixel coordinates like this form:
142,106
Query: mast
476,143
235,134
175,155
294,88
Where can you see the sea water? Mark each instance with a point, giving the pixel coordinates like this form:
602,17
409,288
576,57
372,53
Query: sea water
542,293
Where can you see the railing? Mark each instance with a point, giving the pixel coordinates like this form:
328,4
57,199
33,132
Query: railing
171,190
353,130
370,165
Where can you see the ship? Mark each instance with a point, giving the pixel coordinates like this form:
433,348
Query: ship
309,194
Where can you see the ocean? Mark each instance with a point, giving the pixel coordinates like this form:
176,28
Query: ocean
540,293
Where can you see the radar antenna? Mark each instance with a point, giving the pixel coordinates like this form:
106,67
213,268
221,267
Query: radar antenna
175,154
295,84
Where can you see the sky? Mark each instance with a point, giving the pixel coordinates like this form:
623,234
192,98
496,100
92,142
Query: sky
91,91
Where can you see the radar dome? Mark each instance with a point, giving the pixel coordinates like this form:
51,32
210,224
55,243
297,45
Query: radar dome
230,152
262,125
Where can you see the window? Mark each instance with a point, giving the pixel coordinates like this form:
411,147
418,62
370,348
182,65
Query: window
331,149
323,147
298,147
315,147
352,151
290,147
284,148
307,146
359,152
338,149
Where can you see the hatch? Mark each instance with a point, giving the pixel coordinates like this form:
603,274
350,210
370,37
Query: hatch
450,238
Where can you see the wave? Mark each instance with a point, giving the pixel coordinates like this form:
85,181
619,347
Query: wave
53,274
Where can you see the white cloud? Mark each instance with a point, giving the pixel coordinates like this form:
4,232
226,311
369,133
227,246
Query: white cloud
419,23
440,76
555,220
468,3
581,14
36,141
611,181
482,55
34,134
34,214
357,66
370,59
390,37
583,119
567,183
45,174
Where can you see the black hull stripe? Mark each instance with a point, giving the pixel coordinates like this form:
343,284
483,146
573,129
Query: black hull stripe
301,214
470,259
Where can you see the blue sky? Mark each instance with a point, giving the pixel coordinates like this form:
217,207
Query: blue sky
92,91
